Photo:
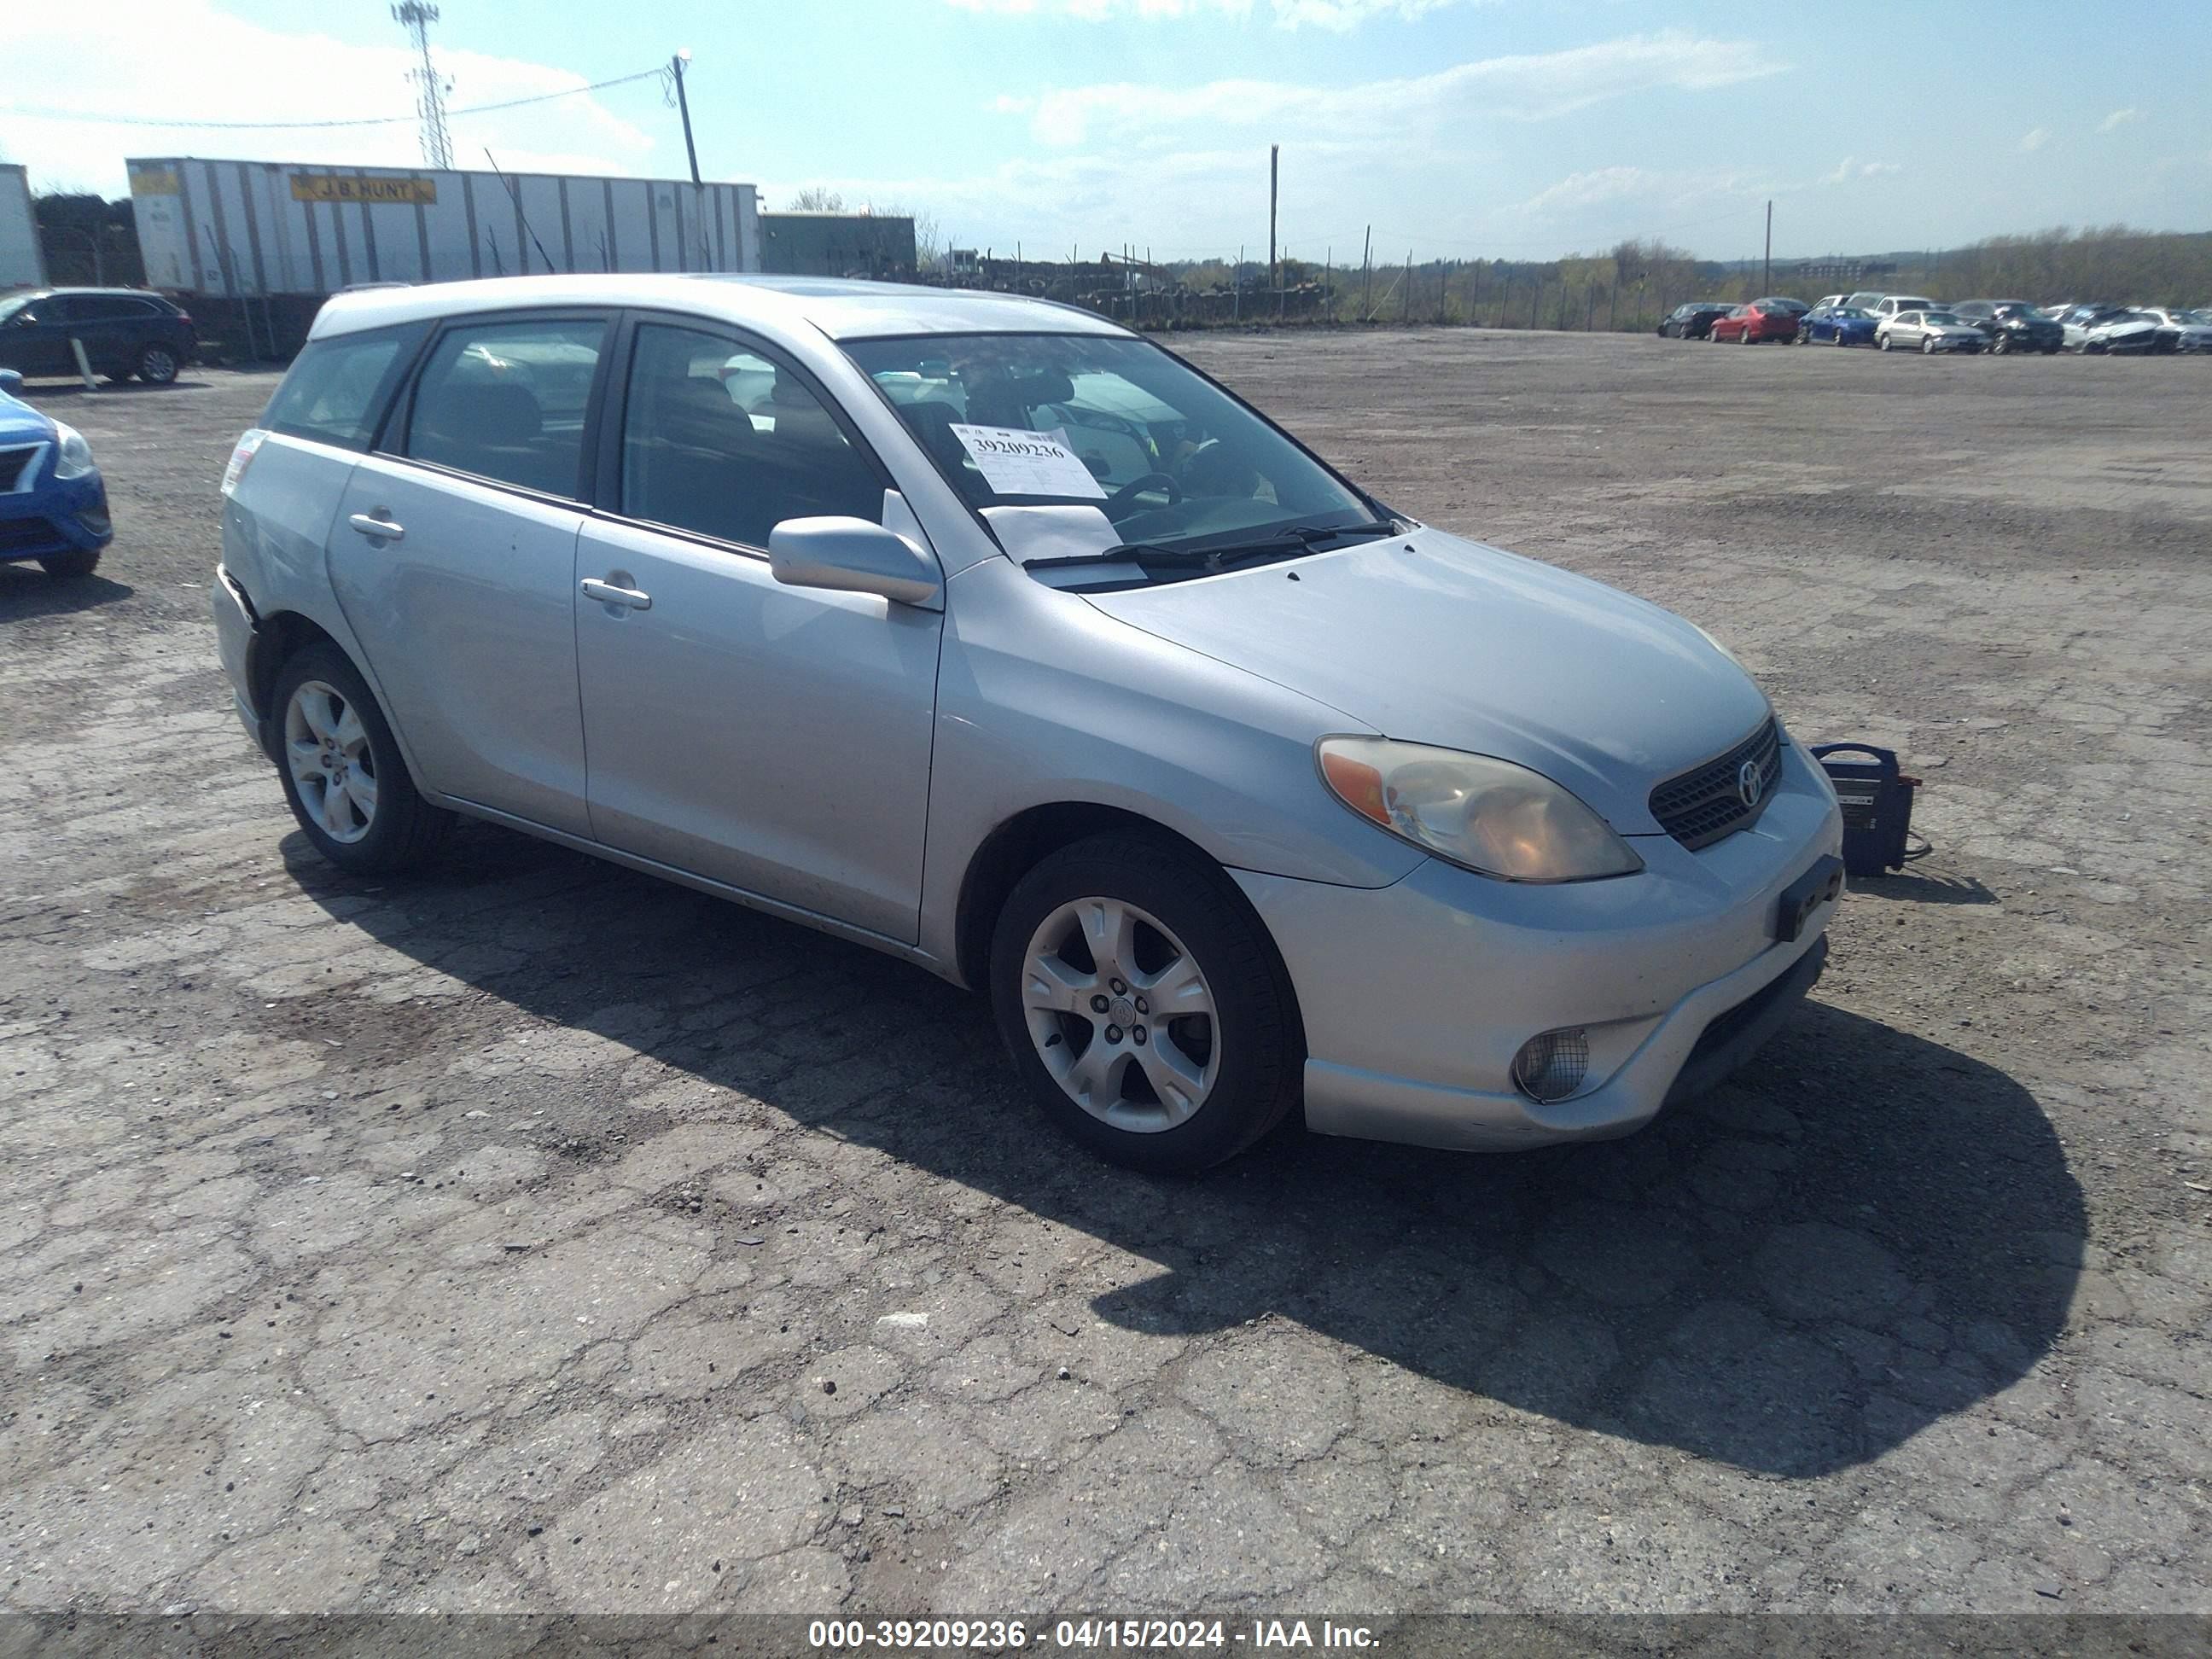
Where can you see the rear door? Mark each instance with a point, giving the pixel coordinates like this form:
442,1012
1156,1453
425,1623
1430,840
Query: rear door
454,556
773,738
108,325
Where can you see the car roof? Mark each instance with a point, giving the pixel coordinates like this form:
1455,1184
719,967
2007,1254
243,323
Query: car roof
134,293
841,309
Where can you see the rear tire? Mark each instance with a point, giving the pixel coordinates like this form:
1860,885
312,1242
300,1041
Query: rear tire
158,365
1166,923
71,566
331,740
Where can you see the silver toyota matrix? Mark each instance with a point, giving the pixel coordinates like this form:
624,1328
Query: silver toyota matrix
988,634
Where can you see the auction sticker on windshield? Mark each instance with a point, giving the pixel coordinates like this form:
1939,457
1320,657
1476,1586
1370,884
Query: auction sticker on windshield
1017,463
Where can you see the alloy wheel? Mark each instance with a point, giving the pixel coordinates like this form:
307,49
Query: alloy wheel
1121,1014
332,765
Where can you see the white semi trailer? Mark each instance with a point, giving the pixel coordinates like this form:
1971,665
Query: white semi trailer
21,265
236,230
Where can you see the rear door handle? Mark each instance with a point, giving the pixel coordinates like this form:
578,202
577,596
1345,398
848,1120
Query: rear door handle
382,529
608,593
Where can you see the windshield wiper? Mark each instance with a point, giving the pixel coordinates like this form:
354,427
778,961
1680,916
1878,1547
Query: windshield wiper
1292,540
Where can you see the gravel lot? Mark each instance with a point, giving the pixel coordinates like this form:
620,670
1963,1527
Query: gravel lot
536,1235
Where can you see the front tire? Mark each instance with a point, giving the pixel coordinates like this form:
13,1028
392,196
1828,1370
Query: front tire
1144,1004
72,566
343,775
1928,345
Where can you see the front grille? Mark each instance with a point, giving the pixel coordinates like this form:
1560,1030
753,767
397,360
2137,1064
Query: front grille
1706,802
18,464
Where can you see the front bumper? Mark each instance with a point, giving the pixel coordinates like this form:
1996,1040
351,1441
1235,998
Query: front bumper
55,517
1415,997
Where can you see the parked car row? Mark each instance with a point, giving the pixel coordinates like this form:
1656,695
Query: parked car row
1913,322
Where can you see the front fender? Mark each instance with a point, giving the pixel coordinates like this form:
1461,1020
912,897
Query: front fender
1043,699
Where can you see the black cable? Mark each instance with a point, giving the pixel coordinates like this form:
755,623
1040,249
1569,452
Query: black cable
44,114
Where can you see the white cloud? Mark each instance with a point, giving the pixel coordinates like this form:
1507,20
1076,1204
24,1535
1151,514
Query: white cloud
1341,15
1529,87
1851,167
2119,117
2035,140
1346,15
1651,190
186,58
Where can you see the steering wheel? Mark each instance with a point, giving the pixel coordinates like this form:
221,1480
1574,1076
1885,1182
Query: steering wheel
1129,492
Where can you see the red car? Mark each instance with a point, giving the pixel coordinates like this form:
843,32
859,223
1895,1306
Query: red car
1762,320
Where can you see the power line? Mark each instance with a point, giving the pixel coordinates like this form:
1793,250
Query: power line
35,113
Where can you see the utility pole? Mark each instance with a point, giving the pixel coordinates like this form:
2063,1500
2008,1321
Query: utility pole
1367,264
1406,306
429,88
1274,156
676,65
1766,281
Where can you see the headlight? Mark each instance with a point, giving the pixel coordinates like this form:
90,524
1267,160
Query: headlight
72,455
1488,816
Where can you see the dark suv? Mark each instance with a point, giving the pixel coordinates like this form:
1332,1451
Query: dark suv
2011,324
1694,320
125,330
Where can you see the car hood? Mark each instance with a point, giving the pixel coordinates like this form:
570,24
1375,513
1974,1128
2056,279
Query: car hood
19,422
1432,639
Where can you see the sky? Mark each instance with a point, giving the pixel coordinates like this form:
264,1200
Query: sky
1516,129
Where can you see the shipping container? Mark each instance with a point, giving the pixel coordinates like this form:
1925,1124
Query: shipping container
878,245
241,229
21,265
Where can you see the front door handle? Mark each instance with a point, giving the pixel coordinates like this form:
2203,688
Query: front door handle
380,529
607,592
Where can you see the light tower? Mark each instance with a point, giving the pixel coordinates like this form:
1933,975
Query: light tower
430,87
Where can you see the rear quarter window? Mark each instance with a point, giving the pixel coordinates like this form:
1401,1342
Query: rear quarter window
336,391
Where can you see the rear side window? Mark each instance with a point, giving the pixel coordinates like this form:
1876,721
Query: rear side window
507,400
337,389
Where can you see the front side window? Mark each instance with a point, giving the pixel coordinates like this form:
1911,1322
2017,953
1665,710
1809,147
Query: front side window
507,401
332,392
1171,460
724,442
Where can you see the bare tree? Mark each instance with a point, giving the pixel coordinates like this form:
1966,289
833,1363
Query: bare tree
816,198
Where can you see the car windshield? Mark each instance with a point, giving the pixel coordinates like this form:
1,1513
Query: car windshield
1846,314
1179,467
1939,317
13,304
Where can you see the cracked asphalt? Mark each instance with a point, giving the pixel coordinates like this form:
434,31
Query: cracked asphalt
534,1236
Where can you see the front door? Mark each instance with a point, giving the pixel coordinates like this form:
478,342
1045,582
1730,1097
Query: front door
453,555
35,340
773,738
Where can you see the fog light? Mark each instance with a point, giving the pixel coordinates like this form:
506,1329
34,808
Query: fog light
1551,1065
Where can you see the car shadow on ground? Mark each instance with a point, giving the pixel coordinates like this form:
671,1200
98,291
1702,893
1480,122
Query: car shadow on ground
39,392
26,591
1863,1233
1924,887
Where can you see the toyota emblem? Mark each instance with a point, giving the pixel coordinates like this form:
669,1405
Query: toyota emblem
1750,782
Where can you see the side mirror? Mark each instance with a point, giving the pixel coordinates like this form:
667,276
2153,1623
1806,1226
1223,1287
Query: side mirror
11,382
851,556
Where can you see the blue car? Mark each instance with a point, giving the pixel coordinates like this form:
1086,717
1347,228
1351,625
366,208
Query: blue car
53,504
1839,326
